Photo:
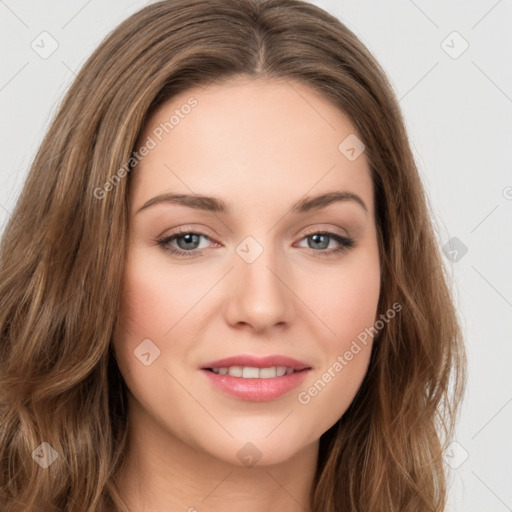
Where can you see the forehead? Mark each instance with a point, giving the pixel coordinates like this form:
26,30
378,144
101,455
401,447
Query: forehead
245,140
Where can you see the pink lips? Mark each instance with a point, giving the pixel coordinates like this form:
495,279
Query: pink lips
257,389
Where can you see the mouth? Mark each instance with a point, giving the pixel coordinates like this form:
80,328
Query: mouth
257,379
251,372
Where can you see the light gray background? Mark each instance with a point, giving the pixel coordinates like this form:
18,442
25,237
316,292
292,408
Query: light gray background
458,113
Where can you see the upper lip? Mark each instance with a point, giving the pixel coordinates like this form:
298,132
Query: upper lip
257,362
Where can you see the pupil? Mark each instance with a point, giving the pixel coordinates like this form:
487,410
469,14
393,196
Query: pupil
324,244
190,238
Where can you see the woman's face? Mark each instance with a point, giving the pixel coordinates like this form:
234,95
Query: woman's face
275,275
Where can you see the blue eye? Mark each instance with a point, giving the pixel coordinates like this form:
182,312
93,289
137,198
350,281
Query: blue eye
188,243
322,239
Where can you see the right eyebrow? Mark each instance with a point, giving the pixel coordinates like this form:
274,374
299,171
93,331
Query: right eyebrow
198,202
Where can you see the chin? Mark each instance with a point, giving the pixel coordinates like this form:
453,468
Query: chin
264,448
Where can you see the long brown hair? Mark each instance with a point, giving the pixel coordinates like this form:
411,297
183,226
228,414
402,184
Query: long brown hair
62,257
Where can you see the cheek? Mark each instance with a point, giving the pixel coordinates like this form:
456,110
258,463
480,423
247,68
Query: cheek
346,299
153,302
354,299
147,311
347,304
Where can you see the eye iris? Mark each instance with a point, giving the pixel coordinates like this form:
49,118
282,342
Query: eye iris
315,239
191,238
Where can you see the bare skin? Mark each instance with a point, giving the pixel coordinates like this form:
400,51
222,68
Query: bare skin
259,146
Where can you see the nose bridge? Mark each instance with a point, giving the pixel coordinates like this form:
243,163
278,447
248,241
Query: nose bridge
259,297
257,264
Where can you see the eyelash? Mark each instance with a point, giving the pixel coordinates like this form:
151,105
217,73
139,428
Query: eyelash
345,243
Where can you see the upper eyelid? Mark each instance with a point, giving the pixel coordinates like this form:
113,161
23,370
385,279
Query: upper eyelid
199,231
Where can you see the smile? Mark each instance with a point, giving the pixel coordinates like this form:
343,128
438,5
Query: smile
254,378
248,372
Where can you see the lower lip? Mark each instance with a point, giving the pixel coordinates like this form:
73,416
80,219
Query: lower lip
256,390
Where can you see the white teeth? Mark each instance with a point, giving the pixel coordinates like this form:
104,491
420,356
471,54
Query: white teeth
235,371
267,373
281,370
249,372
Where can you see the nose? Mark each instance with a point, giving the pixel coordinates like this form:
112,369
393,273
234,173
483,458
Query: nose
260,295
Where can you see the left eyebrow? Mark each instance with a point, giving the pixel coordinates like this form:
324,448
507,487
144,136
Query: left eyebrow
317,202
213,204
